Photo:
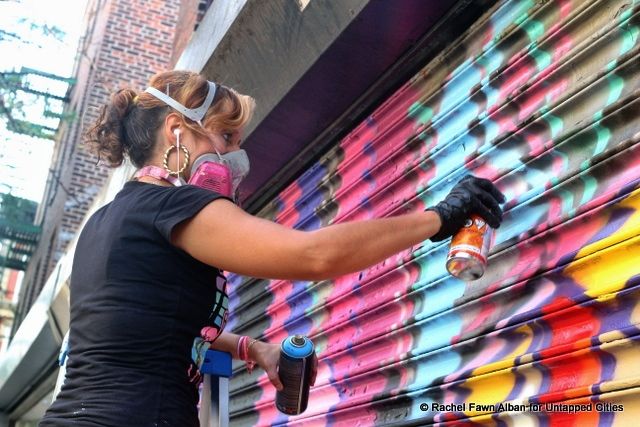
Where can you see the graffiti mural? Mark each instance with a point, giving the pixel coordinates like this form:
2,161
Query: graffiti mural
542,98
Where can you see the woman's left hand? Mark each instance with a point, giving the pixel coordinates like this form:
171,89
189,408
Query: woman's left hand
267,356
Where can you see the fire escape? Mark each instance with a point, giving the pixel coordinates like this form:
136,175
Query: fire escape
21,90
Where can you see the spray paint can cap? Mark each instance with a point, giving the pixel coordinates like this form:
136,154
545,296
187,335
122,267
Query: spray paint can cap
297,346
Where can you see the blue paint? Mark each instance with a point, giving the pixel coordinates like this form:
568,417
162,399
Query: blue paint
300,301
616,221
491,62
456,122
494,96
492,131
438,332
439,296
459,88
518,386
521,219
434,368
416,412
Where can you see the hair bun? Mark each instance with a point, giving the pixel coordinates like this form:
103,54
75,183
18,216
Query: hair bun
123,101
107,137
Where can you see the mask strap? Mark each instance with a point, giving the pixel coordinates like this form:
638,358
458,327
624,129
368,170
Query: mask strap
219,155
195,114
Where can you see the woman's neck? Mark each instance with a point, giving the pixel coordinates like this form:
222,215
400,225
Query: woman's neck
156,181
156,175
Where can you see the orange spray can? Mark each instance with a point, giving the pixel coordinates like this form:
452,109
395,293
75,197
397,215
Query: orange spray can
467,259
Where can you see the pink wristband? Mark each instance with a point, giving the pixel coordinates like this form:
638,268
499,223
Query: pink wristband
242,347
243,352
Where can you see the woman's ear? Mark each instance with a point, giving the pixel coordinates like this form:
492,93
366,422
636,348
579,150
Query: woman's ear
172,127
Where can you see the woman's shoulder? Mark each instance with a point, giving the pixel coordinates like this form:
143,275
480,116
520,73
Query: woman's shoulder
137,187
142,196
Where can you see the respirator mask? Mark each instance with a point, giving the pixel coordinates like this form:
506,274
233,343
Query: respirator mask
221,173
217,172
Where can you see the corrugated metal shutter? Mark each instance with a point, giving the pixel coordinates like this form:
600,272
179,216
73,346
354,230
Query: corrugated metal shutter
541,97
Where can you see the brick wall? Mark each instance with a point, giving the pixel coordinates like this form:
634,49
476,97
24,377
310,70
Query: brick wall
125,43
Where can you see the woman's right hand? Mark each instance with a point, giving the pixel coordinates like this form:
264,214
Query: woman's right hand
267,356
470,195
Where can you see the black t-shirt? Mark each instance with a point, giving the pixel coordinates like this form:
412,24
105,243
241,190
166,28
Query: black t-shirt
137,303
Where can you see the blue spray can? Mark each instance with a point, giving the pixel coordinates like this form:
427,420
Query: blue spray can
294,369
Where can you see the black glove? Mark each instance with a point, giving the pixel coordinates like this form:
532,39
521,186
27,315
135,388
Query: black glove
470,195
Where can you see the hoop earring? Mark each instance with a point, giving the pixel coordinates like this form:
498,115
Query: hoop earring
165,163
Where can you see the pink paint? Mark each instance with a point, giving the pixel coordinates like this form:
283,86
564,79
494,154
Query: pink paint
288,215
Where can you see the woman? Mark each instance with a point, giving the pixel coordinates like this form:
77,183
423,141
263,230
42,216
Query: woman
146,283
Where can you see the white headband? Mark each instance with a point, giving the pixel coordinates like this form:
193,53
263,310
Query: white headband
195,114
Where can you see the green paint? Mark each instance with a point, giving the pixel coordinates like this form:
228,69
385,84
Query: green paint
534,29
482,61
421,113
611,65
315,301
520,19
590,188
604,135
555,124
543,59
597,116
629,39
625,15
585,165
567,200
616,85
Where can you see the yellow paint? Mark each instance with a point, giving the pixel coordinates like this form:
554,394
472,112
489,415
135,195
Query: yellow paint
611,336
526,343
606,297
509,360
631,227
495,387
527,358
511,419
603,267
489,389
608,270
630,401
627,369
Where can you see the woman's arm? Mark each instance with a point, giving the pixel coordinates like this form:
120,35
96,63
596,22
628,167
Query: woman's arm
227,342
224,236
264,354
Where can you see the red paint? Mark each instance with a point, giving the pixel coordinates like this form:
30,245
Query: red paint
571,326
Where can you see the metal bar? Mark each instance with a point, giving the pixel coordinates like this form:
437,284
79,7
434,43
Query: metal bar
214,401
